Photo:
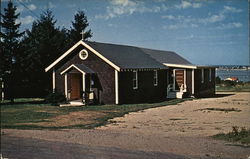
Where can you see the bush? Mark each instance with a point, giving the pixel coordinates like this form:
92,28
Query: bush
55,98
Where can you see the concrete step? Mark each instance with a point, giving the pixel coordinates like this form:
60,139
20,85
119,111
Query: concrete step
171,95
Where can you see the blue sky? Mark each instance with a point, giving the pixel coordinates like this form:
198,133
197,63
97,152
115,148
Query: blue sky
205,32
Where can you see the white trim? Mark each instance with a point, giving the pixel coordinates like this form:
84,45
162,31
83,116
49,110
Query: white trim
66,85
192,81
202,75
180,65
116,88
136,79
70,68
54,80
156,77
83,82
88,47
83,57
2,90
183,77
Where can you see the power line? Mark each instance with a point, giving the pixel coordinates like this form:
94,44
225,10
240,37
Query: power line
24,5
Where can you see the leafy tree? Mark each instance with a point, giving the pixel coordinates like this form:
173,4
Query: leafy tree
42,45
80,24
10,37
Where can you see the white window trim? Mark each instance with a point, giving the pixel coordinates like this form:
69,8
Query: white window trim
66,85
83,57
184,78
155,77
54,80
202,75
116,88
193,81
136,79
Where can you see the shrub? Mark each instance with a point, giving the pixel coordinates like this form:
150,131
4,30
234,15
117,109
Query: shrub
55,98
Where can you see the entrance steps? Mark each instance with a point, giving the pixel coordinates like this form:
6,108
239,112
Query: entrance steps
73,103
173,95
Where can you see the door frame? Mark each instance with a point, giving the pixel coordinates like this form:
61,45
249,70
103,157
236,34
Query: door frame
78,76
183,77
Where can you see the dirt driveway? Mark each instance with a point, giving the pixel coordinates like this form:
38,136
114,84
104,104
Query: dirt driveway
202,117
182,129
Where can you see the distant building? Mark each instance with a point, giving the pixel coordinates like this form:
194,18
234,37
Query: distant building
119,74
234,79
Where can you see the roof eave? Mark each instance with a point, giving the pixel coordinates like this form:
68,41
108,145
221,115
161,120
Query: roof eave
88,47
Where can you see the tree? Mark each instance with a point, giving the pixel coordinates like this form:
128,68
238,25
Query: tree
80,24
42,45
10,36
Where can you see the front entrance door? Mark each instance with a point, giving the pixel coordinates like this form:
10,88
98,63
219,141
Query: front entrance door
179,78
75,83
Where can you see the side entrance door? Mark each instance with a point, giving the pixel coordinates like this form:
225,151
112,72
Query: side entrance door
179,78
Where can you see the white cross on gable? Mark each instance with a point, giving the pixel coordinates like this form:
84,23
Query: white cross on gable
82,34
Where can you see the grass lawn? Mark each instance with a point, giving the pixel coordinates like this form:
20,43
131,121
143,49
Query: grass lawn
34,114
236,135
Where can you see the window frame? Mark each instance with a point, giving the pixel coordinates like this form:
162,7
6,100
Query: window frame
155,77
135,79
202,75
210,75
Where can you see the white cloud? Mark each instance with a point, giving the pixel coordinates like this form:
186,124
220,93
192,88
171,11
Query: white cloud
128,7
179,26
19,9
25,20
51,5
197,5
230,25
170,17
213,19
187,4
30,7
231,9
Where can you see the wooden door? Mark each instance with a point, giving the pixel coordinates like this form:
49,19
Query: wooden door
75,82
179,79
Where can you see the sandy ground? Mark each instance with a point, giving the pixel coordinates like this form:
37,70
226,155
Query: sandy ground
190,118
182,129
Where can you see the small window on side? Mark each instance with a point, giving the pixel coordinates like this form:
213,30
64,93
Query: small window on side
135,80
210,74
202,75
155,78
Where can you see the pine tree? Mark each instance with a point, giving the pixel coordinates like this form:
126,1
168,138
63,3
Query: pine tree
80,24
10,36
42,45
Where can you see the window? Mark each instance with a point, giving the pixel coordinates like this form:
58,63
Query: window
135,79
210,75
155,78
202,75
83,54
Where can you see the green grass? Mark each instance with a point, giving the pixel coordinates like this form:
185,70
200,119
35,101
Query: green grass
236,135
25,111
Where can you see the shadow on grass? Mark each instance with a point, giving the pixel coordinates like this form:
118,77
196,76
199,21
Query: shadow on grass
23,102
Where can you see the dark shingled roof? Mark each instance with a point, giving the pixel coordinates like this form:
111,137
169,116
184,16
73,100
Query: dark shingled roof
167,57
84,68
127,57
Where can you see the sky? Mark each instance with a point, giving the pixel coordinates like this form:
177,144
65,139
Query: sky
206,32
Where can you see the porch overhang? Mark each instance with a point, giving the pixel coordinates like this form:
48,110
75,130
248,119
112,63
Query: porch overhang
187,66
80,67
